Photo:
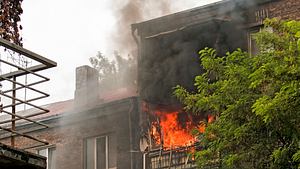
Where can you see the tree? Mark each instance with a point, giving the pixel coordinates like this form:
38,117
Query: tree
107,70
105,67
10,11
114,74
127,69
256,101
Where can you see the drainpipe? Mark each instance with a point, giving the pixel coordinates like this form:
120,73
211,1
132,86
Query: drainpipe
144,160
133,29
130,132
137,39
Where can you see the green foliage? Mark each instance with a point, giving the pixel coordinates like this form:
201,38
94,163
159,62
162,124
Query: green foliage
105,67
256,100
10,12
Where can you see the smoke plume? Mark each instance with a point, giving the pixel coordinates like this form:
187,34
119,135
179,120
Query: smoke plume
128,12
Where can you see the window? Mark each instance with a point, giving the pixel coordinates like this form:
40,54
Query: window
252,46
50,153
96,153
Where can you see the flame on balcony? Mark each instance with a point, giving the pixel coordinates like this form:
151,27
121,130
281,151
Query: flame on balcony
174,129
170,127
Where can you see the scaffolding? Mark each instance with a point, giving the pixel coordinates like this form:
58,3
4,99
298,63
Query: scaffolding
20,78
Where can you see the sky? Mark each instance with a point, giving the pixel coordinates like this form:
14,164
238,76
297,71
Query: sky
71,31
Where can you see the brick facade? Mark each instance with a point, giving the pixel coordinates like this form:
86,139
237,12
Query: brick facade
121,119
285,9
280,9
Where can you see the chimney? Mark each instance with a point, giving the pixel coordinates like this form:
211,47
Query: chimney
87,87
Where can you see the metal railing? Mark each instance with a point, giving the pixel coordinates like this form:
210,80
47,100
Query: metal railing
19,80
178,158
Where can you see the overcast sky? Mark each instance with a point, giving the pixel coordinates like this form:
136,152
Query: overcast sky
71,31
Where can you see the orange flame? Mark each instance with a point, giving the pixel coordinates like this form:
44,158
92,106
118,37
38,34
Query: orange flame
170,133
211,118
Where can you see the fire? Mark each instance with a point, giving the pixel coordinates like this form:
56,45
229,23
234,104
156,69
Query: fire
173,129
170,132
210,118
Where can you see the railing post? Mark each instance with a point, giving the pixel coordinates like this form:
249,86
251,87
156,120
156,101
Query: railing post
13,110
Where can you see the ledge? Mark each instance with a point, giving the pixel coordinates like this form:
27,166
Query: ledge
19,159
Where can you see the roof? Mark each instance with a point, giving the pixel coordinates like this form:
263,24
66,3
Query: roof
61,107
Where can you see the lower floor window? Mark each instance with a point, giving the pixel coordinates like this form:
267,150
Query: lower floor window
96,153
50,153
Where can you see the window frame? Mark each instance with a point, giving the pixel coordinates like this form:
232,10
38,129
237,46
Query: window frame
251,32
94,138
47,148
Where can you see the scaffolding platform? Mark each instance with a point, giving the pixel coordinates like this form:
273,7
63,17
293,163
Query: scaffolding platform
19,159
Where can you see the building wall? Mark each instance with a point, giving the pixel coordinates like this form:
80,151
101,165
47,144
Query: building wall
285,9
119,120
280,9
168,46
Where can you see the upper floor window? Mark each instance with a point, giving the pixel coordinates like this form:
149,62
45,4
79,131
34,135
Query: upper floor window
252,46
253,49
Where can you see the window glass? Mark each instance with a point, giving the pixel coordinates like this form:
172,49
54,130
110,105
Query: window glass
52,158
90,153
96,151
252,46
50,154
102,153
43,152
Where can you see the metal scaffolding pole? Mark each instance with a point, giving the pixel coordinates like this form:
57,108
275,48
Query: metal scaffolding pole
13,110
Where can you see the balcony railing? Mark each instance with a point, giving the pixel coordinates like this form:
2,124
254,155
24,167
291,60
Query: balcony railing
178,158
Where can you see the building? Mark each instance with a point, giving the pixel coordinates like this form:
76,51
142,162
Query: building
85,134
114,130
168,48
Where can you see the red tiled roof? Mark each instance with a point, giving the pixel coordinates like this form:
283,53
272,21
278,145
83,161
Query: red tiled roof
109,96
58,108
61,107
